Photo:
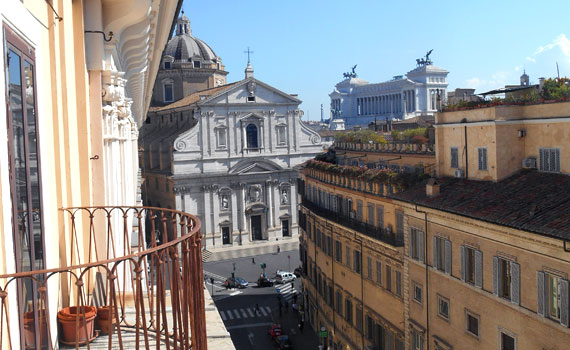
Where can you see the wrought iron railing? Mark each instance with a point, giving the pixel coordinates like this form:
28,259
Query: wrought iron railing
379,233
141,264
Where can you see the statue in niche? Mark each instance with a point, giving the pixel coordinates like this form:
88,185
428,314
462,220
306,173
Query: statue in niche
284,199
255,193
225,202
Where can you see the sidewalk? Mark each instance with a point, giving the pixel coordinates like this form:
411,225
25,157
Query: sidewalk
252,249
289,321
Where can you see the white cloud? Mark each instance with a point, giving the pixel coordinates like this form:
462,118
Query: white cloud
561,41
530,59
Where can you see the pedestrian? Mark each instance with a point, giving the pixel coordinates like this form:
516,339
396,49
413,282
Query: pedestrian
295,297
292,285
257,312
253,260
301,325
278,249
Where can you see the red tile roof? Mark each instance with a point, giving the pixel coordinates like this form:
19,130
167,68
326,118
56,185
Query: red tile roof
529,200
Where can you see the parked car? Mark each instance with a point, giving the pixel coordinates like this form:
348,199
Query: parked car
283,341
236,282
265,282
298,272
284,277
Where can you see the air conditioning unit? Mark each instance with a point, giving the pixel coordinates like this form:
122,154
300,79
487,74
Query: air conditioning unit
529,163
459,173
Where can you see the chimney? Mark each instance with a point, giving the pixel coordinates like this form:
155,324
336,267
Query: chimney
432,188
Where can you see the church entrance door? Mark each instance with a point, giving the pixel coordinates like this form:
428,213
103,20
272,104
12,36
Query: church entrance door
256,227
226,235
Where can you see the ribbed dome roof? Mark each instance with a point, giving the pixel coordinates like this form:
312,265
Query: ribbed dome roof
184,45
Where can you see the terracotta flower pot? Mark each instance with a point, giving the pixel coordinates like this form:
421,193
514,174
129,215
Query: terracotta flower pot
74,326
30,330
106,319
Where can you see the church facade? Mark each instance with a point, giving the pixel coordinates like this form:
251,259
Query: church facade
229,154
359,102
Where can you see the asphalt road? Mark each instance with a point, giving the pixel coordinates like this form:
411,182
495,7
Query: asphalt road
248,326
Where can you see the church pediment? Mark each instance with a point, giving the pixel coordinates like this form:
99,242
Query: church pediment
254,166
250,91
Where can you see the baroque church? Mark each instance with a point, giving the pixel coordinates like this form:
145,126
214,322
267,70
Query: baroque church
227,152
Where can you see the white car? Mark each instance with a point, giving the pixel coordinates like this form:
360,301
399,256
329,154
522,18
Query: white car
284,277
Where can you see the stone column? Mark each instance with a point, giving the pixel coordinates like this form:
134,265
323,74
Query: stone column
216,214
293,205
268,190
207,216
243,203
276,203
235,209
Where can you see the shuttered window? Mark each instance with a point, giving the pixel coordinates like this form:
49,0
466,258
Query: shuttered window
442,254
369,275
370,219
549,159
379,216
347,256
388,278
398,283
338,302
416,244
506,279
357,262
399,225
359,210
472,266
482,156
379,272
358,319
553,297
454,157
338,251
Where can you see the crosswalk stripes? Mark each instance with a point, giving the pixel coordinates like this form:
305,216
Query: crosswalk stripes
217,277
244,313
286,291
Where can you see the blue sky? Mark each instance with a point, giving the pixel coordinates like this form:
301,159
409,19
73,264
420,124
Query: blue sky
303,47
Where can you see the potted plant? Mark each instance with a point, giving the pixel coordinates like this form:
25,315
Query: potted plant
77,324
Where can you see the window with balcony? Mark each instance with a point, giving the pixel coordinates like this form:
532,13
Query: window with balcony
379,216
506,279
553,297
416,244
472,266
370,219
442,254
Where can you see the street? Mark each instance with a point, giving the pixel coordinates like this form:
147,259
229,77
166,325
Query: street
248,327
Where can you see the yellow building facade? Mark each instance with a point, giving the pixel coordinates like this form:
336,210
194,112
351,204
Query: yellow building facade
486,256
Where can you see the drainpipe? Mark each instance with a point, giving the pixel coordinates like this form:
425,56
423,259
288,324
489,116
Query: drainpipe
361,291
466,157
427,269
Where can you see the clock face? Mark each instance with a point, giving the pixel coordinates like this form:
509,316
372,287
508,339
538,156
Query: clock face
219,82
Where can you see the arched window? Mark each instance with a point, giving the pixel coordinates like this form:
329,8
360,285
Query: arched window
251,135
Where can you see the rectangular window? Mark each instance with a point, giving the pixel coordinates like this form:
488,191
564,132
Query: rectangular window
359,210
168,93
549,159
379,216
250,98
553,296
507,342
379,272
472,323
357,262
443,307
388,278
482,157
417,340
398,283
339,302
369,275
417,290
338,251
416,244
358,319
221,138
196,64
318,238
442,254
167,65
370,214
347,256
472,266
506,279
454,157
330,296
348,311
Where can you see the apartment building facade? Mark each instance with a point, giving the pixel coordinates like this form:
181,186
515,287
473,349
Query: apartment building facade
486,257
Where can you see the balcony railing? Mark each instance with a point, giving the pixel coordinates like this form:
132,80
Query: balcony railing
389,147
379,233
141,264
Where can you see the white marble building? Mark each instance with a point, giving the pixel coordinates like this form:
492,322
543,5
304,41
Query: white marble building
359,102
228,154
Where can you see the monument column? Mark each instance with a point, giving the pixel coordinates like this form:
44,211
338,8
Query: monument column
269,189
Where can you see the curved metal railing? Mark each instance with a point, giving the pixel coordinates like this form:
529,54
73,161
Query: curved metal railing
142,263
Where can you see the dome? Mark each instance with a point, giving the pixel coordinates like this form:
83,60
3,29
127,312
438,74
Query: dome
184,45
